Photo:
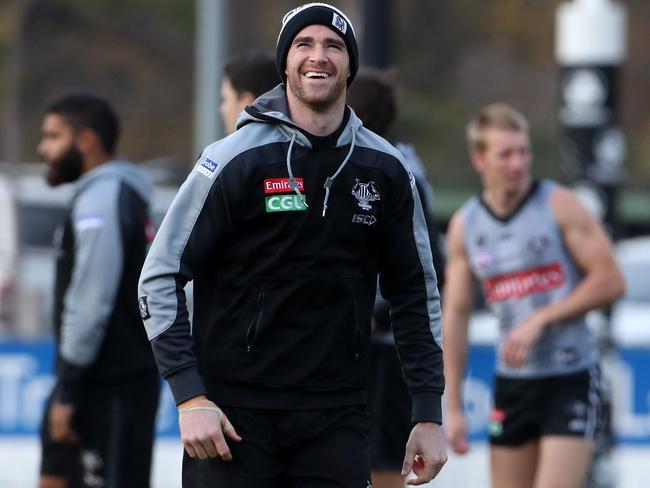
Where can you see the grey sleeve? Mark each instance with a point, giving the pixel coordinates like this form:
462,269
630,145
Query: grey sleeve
408,281
89,299
192,228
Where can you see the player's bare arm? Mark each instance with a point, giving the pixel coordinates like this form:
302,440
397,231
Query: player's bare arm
592,250
603,282
458,299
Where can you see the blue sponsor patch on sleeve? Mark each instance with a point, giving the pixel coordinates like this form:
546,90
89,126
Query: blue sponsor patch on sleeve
207,167
90,220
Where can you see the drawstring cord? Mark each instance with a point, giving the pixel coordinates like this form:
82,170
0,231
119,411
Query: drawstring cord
330,179
293,183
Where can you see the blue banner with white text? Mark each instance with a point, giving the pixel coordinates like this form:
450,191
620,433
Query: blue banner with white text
26,380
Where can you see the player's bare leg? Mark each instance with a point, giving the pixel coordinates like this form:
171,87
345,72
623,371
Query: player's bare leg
387,479
563,462
514,467
49,481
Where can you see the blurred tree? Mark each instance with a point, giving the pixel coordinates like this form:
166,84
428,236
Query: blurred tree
139,58
11,42
451,57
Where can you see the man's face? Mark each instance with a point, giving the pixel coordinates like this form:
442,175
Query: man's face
232,103
318,66
505,162
59,151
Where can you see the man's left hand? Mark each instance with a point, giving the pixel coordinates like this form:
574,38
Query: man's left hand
60,423
426,453
520,339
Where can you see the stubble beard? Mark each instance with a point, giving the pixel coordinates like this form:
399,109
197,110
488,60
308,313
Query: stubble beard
317,102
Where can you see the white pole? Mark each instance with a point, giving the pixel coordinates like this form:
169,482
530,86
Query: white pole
210,52
590,32
590,45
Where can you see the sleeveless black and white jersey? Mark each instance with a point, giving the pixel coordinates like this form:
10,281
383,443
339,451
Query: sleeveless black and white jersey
522,264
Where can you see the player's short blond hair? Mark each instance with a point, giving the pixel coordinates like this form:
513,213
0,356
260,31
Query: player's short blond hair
496,115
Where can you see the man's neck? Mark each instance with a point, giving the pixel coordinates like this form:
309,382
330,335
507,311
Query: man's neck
317,122
91,161
502,202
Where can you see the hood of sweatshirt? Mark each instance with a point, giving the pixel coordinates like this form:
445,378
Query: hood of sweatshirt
136,177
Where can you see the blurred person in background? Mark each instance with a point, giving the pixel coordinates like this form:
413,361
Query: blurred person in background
373,98
283,227
98,426
543,261
8,254
245,77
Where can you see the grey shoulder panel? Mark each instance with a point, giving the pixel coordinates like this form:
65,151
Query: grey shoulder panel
90,297
421,236
469,212
546,187
158,279
369,139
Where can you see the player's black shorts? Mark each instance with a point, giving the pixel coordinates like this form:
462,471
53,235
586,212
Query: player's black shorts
527,409
389,404
289,449
116,428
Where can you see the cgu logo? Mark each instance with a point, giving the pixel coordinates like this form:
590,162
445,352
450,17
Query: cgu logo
285,203
365,193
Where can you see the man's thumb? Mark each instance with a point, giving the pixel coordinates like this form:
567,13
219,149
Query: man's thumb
408,463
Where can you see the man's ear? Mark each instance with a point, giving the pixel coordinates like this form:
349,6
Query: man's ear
247,98
87,140
478,161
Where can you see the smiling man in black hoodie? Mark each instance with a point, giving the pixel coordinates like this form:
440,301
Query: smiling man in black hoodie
284,226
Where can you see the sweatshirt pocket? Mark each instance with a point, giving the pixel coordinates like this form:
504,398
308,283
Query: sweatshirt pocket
307,331
255,324
357,329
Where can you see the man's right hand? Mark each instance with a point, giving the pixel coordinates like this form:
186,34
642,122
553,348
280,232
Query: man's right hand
60,423
204,428
456,430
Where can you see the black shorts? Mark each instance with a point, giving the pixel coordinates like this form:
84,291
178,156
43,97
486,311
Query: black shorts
289,449
389,404
116,430
527,409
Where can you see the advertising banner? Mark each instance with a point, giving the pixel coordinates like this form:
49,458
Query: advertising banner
26,380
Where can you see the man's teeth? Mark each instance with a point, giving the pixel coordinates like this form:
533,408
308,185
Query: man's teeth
316,74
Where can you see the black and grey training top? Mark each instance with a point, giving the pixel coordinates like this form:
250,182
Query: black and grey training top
522,265
101,249
284,241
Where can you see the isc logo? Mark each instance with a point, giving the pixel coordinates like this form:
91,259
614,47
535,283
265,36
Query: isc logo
363,219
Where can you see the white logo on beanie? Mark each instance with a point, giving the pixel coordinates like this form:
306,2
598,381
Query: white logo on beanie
339,22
